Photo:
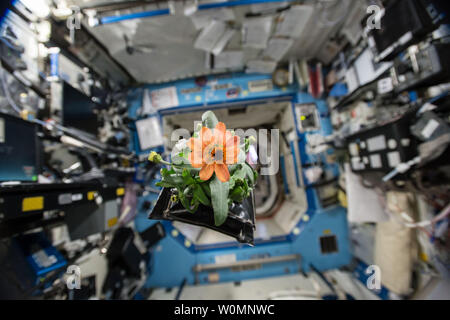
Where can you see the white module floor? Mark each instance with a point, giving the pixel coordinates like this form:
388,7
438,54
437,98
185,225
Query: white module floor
291,287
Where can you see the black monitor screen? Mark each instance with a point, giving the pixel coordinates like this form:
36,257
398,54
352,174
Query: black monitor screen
78,110
19,149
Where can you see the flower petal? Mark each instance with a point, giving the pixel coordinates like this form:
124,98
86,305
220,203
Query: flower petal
219,133
195,158
228,135
205,136
231,154
206,172
233,141
194,143
222,172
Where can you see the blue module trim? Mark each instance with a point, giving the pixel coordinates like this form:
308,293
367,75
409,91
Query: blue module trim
283,173
163,12
360,274
294,156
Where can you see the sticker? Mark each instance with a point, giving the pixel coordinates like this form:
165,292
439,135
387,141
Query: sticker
221,86
225,258
65,198
43,260
112,222
149,133
393,159
190,90
120,191
77,196
28,170
233,93
385,85
430,128
164,98
260,85
91,195
32,204
213,277
376,143
375,161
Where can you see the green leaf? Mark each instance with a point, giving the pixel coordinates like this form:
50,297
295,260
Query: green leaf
238,194
249,173
165,184
219,197
200,195
232,168
241,156
194,205
255,175
209,119
239,174
187,178
206,188
246,145
185,201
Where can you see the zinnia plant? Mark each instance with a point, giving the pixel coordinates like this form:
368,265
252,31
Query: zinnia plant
209,169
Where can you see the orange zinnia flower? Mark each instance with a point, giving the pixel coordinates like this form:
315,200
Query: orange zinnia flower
213,151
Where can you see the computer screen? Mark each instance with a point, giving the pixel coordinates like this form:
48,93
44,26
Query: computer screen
78,110
19,150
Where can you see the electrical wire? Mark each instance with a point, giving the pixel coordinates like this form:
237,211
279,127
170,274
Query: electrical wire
7,93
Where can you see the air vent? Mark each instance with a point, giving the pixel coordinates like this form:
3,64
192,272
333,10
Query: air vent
328,244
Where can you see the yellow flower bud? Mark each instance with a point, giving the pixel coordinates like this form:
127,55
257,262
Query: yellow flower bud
154,157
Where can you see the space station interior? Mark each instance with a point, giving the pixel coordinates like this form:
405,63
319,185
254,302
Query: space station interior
225,149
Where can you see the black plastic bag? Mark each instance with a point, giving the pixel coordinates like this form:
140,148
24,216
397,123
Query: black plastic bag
239,224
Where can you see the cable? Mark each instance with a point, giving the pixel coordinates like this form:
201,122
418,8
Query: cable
427,105
7,93
401,168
